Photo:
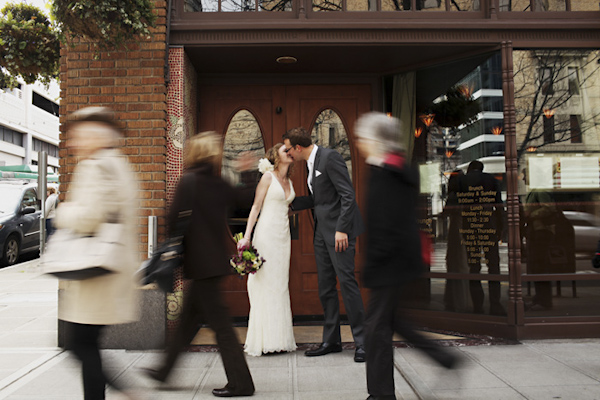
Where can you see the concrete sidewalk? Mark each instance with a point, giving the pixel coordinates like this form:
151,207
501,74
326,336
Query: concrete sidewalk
33,367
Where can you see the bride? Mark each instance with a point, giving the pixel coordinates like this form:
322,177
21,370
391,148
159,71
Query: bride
270,322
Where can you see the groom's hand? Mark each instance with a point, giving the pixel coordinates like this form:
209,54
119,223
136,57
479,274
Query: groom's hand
341,241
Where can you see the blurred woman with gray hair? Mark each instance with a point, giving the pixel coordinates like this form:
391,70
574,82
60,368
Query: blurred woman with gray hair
393,250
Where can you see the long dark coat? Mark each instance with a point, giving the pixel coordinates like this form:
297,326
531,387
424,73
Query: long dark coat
393,243
208,245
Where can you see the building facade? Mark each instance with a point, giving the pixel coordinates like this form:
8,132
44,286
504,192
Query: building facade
29,123
250,70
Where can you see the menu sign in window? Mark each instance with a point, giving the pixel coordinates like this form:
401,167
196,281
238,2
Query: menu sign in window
478,230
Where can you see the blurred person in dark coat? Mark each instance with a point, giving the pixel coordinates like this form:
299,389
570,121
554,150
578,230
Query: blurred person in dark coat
393,250
103,190
208,248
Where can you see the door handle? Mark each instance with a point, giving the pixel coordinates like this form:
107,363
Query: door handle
294,227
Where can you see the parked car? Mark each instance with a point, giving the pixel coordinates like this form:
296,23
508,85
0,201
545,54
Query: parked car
19,220
587,233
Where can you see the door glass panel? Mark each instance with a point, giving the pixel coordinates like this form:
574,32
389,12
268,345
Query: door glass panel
329,132
559,177
243,135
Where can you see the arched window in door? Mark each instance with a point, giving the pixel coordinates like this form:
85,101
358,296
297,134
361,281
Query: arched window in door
243,134
329,131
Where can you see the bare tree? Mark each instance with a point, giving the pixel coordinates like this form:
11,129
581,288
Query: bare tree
551,86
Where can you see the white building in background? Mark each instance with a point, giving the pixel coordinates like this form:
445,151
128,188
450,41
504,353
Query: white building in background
28,124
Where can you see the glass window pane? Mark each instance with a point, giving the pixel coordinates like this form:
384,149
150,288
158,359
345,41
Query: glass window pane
395,5
584,5
432,5
238,5
464,5
329,131
199,6
243,135
515,5
559,183
361,5
327,5
550,5
275,5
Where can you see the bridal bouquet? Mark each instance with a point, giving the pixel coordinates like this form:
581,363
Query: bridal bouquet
246,260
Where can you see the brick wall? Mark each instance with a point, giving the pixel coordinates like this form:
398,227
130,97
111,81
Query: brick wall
132,82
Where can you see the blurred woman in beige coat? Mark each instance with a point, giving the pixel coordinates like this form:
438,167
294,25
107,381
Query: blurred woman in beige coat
103,190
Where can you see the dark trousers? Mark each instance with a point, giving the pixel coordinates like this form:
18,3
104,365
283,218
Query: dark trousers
331,267
203,303
476,289
383,319
83,341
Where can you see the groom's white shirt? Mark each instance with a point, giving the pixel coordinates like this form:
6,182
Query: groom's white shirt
311,164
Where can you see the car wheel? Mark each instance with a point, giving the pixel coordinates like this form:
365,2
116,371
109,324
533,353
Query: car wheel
11,251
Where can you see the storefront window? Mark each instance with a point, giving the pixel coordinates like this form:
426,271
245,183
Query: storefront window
558,149
459,142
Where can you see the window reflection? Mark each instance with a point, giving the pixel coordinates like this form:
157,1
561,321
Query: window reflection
329,132
327,5
558,146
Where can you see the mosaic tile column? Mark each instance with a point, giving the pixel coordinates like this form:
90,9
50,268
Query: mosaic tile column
181,124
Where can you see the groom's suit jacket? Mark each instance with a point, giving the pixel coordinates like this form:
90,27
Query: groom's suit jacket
333,199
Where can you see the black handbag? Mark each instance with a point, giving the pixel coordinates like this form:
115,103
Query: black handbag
160,268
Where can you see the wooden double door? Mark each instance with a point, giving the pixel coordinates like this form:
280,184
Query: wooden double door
277,109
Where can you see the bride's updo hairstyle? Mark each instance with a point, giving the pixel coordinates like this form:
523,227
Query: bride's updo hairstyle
273,157
204,147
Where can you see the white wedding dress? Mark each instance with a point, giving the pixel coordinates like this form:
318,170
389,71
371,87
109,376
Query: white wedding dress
270,322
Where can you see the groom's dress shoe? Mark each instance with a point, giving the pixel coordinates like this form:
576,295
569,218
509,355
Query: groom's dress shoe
360,354
387,397
325,348
226,392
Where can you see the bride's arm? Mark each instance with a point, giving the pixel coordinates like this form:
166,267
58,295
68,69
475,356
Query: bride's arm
259,197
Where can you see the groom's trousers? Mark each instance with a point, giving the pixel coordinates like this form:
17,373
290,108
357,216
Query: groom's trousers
332,265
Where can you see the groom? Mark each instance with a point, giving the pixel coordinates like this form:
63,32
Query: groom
337,223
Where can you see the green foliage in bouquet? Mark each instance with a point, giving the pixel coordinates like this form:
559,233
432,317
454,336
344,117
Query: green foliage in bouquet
107,23
29,46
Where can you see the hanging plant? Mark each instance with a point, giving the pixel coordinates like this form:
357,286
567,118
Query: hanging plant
107,23
456,109
29,46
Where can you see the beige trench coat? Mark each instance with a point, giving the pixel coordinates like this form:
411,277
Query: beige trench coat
103,187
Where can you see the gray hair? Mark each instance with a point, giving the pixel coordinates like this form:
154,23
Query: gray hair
385,130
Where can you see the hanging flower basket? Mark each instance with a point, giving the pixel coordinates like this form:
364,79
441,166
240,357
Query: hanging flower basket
109,23
29,47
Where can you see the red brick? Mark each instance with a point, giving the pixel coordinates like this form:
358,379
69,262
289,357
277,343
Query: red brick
113,89
90,73
102,99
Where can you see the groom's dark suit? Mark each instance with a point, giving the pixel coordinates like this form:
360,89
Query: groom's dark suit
335,209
